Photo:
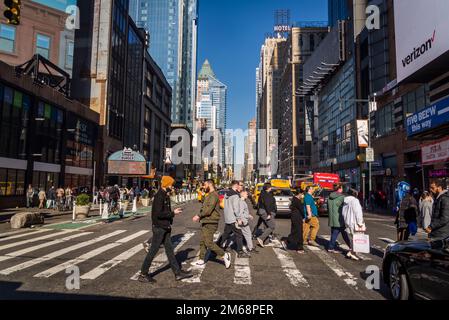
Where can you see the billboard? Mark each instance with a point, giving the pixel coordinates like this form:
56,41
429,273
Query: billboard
422,34
326,180
429,118
127,163
362,133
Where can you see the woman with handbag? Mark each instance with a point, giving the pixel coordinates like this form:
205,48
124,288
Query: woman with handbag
353,216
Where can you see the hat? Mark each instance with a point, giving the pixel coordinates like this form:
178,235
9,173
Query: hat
167,181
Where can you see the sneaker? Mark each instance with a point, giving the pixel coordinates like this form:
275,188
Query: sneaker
199,262
243,254
313,243
352,256
260,242
146,246
146,278
300,252
227,260
284,245
183,275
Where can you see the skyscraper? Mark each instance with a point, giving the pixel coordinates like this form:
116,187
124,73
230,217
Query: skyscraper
173,28
208,83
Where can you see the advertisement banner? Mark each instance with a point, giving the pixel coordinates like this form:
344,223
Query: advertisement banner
421,34
362,133
429,118
435,153
127,163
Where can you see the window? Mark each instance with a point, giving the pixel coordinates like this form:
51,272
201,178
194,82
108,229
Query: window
43,45
69,54
7,38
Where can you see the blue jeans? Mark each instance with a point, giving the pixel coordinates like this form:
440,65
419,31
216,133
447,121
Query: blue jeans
334,235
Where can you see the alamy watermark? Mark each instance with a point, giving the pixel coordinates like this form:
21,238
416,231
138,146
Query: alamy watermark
72,282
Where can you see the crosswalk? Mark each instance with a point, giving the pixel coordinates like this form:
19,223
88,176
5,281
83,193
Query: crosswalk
43,254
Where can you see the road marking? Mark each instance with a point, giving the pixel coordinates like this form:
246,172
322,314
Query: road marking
197,270
332,264
104,267
76,261
162,259
23,233
288,266
242,273
387,240
58,253
22,252
345,247
16,244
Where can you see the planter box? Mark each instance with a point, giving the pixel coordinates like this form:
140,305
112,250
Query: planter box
82,212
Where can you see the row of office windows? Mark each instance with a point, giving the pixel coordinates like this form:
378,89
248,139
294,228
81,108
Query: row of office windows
43,44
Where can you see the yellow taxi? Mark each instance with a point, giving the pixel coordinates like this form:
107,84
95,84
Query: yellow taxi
257,191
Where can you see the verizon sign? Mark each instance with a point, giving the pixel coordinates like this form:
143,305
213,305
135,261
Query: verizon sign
422,34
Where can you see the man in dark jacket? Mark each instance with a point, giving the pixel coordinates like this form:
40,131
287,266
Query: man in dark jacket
209,218
162,218
267,212
439,226
336,222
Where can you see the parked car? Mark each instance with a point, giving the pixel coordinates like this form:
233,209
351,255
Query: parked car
283,199
417,269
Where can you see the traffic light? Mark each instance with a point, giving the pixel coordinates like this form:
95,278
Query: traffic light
12,12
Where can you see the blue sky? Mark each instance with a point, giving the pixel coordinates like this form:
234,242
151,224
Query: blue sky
231,33
57,4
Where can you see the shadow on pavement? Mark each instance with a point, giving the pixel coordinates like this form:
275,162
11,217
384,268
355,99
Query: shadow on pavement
10,291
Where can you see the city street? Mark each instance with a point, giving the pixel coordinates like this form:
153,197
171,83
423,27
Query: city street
33,264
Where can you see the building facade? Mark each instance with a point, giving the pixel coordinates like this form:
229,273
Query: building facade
42,30
173,29
108,75
46,139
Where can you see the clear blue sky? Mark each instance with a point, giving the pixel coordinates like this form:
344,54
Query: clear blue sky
231,33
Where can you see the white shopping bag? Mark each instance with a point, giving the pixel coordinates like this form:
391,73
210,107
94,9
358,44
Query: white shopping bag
360,243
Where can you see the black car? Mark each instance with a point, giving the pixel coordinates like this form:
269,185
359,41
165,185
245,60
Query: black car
417,269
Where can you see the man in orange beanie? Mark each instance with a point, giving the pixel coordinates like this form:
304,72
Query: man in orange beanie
162,218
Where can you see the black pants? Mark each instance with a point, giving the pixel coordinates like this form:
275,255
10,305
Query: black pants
403,234
259,223
230,228
161,236
295,239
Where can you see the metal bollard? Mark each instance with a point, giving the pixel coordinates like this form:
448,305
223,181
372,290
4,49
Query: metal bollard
74,209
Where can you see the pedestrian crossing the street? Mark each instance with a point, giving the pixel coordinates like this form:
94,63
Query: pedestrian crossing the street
49,253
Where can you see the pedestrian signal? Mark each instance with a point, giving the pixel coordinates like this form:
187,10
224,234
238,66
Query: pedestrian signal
12,12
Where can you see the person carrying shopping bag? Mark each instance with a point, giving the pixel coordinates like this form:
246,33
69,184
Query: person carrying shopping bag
353,217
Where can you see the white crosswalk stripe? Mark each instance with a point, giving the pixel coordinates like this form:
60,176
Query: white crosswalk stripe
197,270
63,266
162,259
20,243
288,265
346,248
242,273
332,264
4,236
22,252
58,253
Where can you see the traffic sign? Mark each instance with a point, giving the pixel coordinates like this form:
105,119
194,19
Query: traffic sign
369,155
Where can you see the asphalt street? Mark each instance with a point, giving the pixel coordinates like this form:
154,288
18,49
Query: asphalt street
34,262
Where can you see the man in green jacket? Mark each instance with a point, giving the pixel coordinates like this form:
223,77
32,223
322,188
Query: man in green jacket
209,218
335,205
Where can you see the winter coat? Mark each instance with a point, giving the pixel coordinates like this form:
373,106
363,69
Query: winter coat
425,209
297,208
231,207
440,217
334,207
352,213
267,203
162,215
210,210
